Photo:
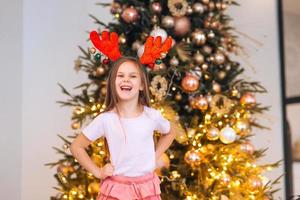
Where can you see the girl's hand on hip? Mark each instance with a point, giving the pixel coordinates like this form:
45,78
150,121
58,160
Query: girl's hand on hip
107,170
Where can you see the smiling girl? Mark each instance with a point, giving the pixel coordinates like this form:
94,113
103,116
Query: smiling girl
128,124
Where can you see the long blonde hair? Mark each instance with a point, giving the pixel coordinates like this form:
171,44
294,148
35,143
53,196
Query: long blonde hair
111,98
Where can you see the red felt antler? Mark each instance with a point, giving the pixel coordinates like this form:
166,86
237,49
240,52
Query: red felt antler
108,44
154,48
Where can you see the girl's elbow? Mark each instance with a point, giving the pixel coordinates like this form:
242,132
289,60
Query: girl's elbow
74,147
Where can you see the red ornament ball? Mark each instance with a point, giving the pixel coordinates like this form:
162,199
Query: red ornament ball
247,98
190,83
105,61
130,15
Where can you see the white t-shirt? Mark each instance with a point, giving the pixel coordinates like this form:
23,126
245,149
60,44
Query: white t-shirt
135,155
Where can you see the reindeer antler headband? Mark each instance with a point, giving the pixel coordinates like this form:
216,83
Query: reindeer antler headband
109,46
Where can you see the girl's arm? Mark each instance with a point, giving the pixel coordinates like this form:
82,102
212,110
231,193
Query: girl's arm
77,148
165,142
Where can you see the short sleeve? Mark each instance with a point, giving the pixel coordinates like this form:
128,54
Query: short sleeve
162,125
95,129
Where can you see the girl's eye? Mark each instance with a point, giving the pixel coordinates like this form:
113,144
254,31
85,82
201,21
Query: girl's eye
133,76
120,75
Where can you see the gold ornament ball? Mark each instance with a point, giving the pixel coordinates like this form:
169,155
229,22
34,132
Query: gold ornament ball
190,83
198,8
211,5
117,16
219,58
198,37
73,191
94,187
103,91
193,157
215,24
228,67
213,133
100,71
198,58
223,6
247,147
193,103
92,50
227,135
189,10
178,96
211,34
130,15
204,66
234,93
207,76
66,146
242,127
218,5
174,61
156,7
216,87
221,75
205,1
191,132
209,97
182,26
201,103
207,49
75,126
247,98
62,169
211,58
122,39
168,22
65,170
254,183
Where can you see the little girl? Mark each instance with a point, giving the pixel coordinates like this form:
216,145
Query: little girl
128,124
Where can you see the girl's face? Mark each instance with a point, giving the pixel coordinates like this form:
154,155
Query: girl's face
128,81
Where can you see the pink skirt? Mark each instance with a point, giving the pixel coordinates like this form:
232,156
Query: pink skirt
146,187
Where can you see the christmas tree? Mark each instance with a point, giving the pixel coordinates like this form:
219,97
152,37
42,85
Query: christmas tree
196,86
